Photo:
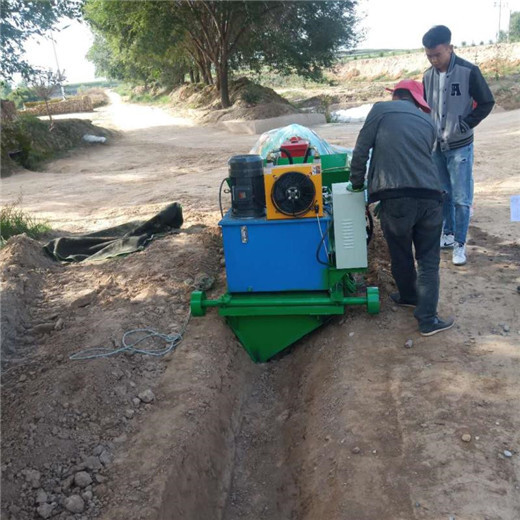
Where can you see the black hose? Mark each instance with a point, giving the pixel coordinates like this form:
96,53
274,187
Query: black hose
326,234
370,224
220,196
289,156
307,153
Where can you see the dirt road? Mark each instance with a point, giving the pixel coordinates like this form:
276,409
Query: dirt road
348,424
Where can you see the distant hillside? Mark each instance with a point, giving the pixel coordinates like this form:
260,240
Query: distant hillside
505,58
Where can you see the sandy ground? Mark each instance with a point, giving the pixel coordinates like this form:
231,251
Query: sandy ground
347,424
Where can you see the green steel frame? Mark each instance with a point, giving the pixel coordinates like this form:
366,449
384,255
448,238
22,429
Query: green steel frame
267,323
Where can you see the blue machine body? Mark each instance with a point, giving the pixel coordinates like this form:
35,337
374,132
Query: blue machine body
274,255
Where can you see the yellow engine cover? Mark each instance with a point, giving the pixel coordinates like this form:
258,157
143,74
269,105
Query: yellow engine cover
312,171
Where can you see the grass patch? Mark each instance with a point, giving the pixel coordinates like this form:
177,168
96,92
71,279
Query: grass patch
15,221
142,95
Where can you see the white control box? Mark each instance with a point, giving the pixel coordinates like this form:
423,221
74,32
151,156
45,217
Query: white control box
350,234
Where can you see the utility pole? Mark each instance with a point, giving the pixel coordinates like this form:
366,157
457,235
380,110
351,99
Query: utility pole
502,4
58,67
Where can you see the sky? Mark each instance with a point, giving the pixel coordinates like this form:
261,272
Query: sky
388,24
400,24
72,42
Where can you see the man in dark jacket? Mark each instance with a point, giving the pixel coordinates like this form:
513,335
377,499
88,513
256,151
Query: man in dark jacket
460,99
403,176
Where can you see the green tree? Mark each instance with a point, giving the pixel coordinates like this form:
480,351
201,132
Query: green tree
502,37
218,37
21,19
44,83
137,41
514,27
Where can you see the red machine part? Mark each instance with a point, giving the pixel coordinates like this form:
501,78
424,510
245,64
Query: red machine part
296,146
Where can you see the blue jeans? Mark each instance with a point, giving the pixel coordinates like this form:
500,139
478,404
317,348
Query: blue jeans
456,169
409,224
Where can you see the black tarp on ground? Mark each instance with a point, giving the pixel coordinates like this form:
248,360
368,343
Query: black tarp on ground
120,240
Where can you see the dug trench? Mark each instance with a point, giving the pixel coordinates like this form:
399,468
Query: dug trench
275,440
220,438
346,424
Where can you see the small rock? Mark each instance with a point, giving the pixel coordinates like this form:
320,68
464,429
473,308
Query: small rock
59,324
119,440
43,328
146,396
67,483
87,495
74,504
408,343
82,479
14,509
351,334
101,490
466,437
507,454
136,401
22,378
129,413
84,300
41,496
92,463
394,309
105,458
356,450
222,262
100,478
203,282
45,510
506,328
98,450
33,476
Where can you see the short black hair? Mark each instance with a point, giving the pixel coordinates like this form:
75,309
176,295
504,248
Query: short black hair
405,95
437,35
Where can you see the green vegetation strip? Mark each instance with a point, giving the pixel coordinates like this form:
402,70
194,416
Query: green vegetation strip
14,221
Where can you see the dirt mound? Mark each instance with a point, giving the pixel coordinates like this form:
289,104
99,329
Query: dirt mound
20,252
29,141
249,101
507,92
79,412
22,263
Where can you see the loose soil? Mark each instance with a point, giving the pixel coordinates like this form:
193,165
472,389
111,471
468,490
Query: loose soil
346,424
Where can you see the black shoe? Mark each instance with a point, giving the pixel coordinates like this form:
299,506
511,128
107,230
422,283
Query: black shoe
403,303
437,326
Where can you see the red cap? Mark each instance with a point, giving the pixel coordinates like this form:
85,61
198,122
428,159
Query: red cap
416,90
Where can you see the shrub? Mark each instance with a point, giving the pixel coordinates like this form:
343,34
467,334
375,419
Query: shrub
14,221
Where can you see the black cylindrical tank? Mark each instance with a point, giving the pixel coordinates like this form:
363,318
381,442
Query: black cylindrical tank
246,180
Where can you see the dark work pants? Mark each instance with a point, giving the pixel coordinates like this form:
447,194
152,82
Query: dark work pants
418,222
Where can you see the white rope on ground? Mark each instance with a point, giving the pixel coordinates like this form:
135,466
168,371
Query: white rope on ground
172,340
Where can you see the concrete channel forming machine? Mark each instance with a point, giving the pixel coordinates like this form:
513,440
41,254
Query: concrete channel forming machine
293,239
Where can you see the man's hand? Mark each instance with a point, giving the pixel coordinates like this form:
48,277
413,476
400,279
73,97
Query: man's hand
355,189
